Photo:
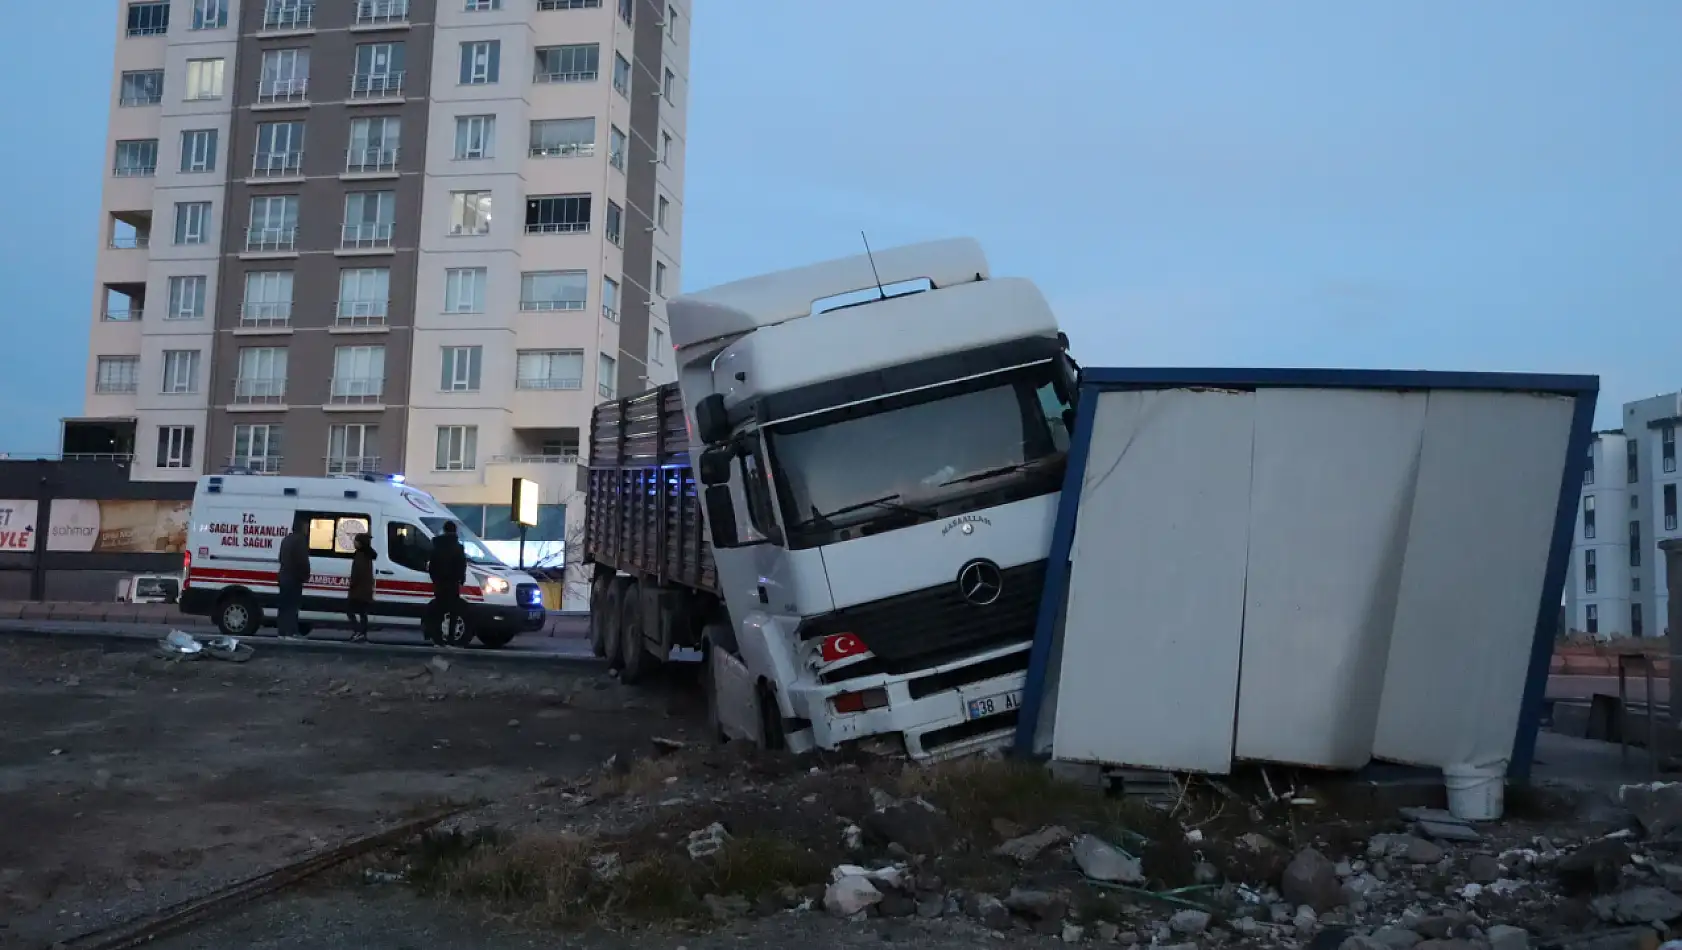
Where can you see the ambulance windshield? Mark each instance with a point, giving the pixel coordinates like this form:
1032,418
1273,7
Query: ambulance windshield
477,553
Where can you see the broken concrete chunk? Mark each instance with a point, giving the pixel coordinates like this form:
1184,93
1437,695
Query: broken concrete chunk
1396,938
707,841
1507,937
1410,848
1656,805
1189,921
1040,905
1028,847
1447,830
1102,861
1639,905
1484,868
850,895
1311,879
1595,868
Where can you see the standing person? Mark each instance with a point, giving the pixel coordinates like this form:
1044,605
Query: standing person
360,597
294,570
448,570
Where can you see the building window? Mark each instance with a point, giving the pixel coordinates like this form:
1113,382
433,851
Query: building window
656,345
1591,577
606,367
186,298
1670,507
1668,448
268,298
671,21
204,78
579,62
257,448
116,375
610,299
209,15
358,374
144,87
622,75
464,290
1588,467
1591,618
470,212
563,137
181,372
554,290
475,136
1635,626
374,144
378,71
363,296
1632,465
274,223
616,147
1635,544
668,85
136,158
175,446
1635,583
558,214
461,369
568,4
192,222
481,6
353,448
615,224
549,369
458,448
660,278
481,62
280,149
661,206
285,77
150,18
626,10
198,150
665,148
1588,517
261,376
369,219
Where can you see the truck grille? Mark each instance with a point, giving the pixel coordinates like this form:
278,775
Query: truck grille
928,627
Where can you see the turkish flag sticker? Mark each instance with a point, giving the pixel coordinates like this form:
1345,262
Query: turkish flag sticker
842,645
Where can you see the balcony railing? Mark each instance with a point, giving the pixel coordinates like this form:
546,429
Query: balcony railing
131,242
367,235
360,313
123,315
578,75
294,89
547,305
356,390
263,391
256,464
97,457
564,150
116,387
353,464
547,382
563,458
285,15
610,314
363,161
569,4
271,239
141,99
604,390
277,164
381,12
617,159
265,313
557,227
135,170
376,85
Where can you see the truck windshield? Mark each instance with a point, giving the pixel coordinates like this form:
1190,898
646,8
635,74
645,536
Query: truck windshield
915,453
476,551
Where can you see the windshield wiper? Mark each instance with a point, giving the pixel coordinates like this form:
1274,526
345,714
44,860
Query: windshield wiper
990,473
891,502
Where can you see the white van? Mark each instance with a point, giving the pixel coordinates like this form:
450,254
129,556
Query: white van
233,549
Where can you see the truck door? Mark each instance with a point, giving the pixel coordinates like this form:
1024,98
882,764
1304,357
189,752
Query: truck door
404,586
332,539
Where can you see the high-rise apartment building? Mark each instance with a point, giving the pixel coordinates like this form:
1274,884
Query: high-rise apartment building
417,236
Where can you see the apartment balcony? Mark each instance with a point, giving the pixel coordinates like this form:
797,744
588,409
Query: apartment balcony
148,19
287,16
263,391
360,314
277,165
283,92
564,150
605,390
373,87
545,306
254,464
569,4
136,100
380,14
353,465
558,227
371,161
271,240
356,391
367,237
135,170
121,315
609,314
549,383
265,315
97,440
116,387
558,458
584,75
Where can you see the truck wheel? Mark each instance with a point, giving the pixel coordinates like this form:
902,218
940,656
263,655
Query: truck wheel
600,590
238,615
618,601
495,641
633,622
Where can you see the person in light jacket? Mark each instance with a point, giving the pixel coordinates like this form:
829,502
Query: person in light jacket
360,596
294,571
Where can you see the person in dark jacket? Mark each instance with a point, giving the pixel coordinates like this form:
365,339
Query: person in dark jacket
448,570
294,571
360,597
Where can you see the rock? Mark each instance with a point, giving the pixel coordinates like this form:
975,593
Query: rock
1311,879
1040,905
1006,829
1363,943
852,837
895,904
1330,938
992,913
849,895
1446,945
1073,933
1189,922
727,908
1305,921
1657,806
1639,905
1448,831
1435,927
769,905
1410,848
1360,887
1106,931
1253,841
438,664
1395,938
1484,869
1506,937
1595,868
707,841
605,867
914,824
1102,861
1028,847
931,907
1205,873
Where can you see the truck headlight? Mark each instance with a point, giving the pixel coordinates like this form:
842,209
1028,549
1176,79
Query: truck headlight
495,585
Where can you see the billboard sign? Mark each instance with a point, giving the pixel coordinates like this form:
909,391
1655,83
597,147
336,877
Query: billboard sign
119,527
17,526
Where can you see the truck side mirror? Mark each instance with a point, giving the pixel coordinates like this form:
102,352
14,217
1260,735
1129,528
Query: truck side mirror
721,516
715,465
712,423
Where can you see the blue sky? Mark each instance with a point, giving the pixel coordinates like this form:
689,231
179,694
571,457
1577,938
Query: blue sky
1492,186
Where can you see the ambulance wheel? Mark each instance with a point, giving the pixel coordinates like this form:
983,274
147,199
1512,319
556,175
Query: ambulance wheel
495,641
237,615
634,658
600,590
455,632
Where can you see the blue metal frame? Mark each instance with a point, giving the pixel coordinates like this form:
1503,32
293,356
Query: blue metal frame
1583,389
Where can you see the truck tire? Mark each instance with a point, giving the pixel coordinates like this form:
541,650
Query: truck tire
633,625
600,590
237,615
618,601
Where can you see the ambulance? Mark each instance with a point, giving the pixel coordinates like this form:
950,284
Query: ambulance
230,570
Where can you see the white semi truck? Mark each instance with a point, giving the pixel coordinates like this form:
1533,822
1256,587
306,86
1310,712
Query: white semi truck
845,502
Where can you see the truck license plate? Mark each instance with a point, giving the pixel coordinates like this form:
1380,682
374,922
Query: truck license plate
995,704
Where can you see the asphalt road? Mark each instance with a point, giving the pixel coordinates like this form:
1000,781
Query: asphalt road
1584,687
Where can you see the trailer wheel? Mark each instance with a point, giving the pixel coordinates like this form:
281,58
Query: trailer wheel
600,590
237,615
633,625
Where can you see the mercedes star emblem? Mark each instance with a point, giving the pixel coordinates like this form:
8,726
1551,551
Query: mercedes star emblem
981,582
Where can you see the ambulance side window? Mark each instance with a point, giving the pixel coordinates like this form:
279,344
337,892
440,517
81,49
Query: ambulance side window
332,534
407,545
